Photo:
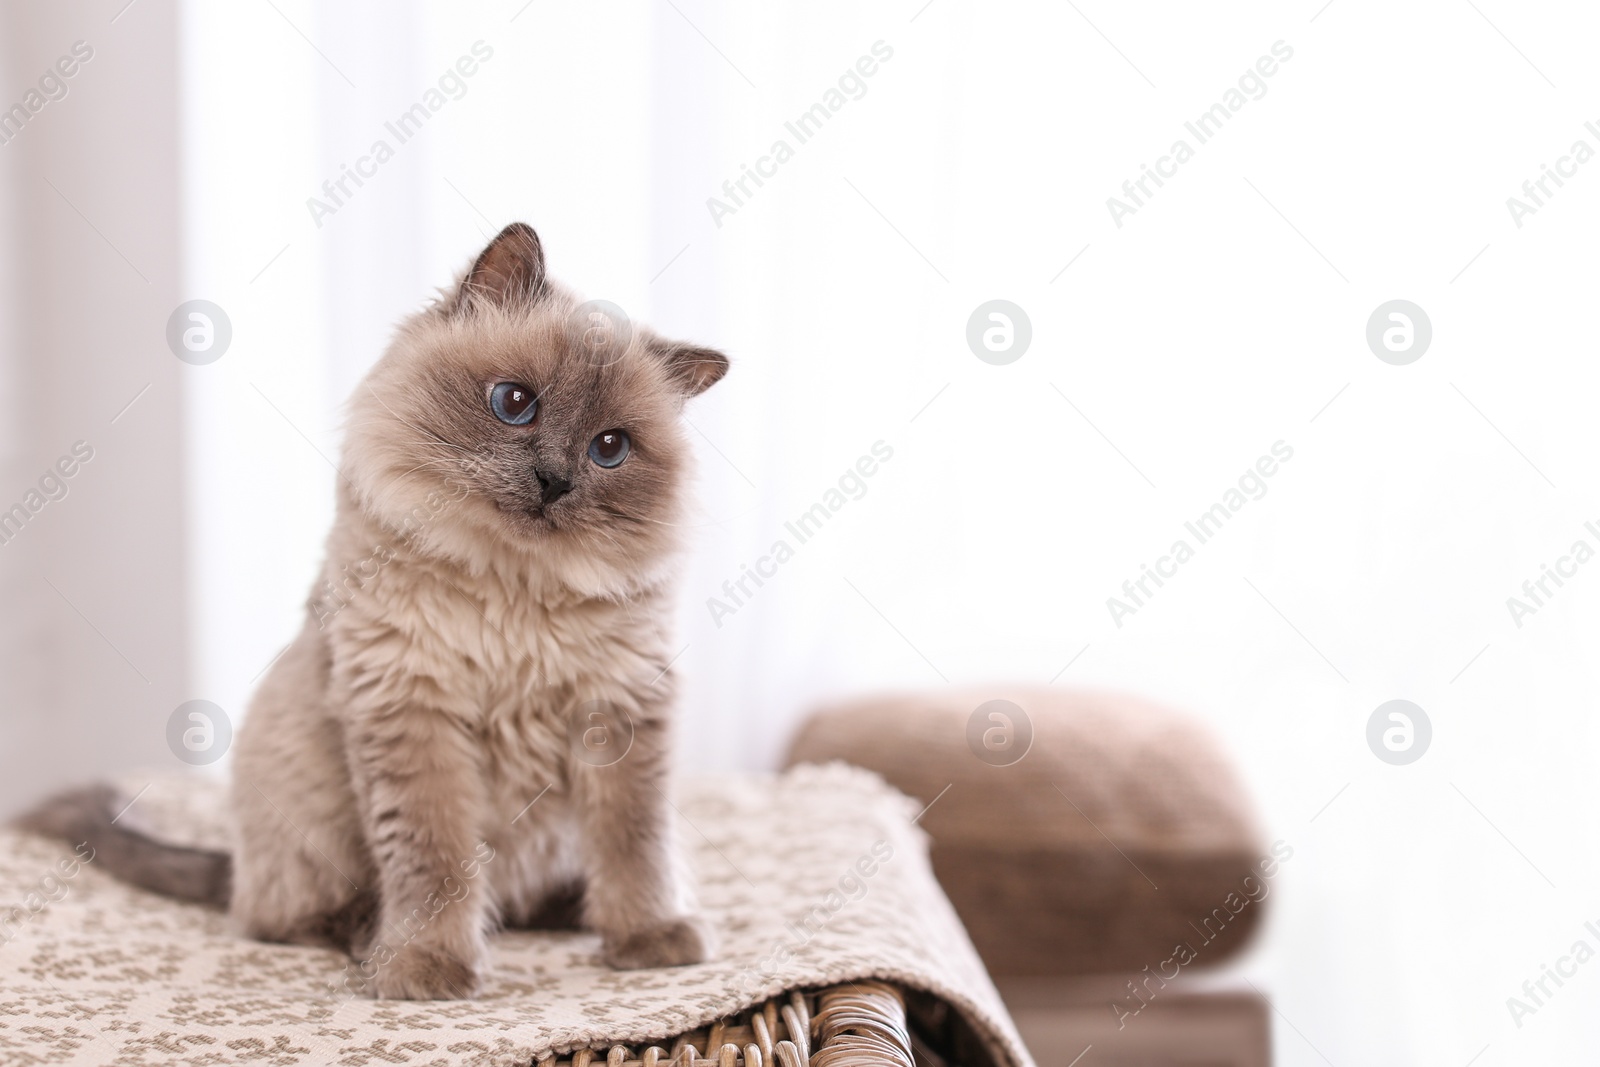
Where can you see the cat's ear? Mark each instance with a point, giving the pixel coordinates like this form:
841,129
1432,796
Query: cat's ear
509,272
692,369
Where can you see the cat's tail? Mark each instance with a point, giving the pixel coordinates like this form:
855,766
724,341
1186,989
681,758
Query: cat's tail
91,816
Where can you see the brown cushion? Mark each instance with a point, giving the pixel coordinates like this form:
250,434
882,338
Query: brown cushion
1114,834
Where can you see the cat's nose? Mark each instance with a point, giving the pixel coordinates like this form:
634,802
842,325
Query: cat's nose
552,486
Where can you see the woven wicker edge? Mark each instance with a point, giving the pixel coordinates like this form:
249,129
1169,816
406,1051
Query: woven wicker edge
857,1024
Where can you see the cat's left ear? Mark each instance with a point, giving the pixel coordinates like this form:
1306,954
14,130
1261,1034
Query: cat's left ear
692,369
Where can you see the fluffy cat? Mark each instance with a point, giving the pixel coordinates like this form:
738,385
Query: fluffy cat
472,726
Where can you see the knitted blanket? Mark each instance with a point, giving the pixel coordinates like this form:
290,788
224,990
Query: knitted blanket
811,878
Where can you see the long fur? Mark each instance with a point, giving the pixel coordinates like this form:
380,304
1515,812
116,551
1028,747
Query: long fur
89,816
430,756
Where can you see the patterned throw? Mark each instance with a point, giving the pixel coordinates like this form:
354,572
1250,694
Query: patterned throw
811,878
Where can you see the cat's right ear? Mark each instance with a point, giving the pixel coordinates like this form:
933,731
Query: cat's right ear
508,273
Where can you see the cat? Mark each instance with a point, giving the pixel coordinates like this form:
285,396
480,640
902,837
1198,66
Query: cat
472,726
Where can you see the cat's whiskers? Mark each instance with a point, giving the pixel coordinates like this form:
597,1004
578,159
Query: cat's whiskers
420,429
616,514
432,464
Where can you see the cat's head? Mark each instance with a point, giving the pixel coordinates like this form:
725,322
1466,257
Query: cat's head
513,420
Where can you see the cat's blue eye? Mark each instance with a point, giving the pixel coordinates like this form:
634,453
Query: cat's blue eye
514,404
610,448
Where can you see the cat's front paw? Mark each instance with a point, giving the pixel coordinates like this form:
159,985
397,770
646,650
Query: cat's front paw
673,943
416,973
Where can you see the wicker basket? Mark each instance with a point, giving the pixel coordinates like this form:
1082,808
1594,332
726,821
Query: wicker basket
859,1024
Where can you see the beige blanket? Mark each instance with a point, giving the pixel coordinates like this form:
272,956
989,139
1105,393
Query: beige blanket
94,972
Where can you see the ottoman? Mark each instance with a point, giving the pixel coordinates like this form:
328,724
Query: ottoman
1098,847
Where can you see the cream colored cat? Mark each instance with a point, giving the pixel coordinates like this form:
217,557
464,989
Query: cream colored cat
472,726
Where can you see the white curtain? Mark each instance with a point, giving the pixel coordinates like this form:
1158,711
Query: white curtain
1169,354
93,656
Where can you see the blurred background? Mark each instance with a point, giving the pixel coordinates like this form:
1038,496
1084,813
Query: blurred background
195,151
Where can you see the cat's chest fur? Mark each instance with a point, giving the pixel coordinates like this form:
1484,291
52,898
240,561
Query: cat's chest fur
512,661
